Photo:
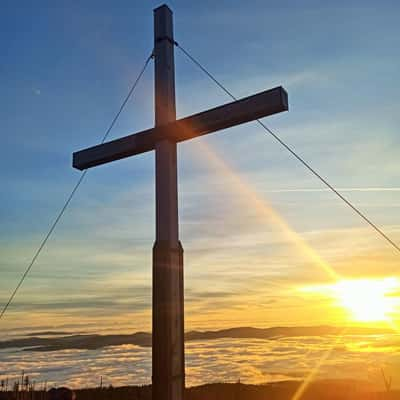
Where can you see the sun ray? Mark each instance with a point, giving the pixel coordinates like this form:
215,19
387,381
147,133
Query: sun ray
265,211
314,371
268,214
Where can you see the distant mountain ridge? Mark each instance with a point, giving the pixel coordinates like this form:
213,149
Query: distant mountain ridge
49,333
283,331
143,339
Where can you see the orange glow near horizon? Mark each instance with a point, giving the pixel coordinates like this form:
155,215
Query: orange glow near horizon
365,300
267,212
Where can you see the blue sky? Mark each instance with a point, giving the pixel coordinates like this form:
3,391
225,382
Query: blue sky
65,70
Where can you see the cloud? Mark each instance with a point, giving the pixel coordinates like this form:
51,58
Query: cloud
340,189
222,360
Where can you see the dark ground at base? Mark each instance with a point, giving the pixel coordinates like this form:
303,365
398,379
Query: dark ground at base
323,390
226,391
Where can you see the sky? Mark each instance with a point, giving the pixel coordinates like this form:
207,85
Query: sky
264,240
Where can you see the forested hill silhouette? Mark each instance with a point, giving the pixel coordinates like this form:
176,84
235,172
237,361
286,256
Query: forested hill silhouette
38,342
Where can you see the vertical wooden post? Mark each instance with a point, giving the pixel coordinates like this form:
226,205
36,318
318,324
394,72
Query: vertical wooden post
168,313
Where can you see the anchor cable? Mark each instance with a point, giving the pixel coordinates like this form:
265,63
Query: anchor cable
71,195
295,154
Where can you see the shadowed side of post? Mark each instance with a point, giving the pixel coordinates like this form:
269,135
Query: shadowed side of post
168,312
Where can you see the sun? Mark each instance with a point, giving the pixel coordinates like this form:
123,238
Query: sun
367,300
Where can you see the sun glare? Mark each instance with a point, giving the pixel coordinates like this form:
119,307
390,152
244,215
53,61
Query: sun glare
365,300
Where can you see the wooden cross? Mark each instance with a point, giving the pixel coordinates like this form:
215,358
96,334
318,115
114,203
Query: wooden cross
168,361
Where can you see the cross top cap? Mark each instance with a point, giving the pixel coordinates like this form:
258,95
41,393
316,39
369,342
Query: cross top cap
163,7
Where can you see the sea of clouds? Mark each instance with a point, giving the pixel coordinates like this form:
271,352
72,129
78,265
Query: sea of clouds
221,360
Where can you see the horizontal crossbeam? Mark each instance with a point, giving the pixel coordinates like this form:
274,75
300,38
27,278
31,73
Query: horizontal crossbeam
250,108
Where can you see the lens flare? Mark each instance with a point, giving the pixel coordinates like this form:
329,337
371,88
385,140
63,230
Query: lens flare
365,300
267,214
